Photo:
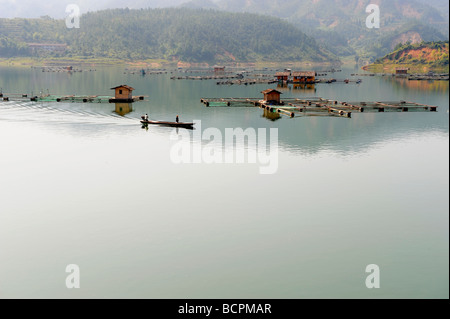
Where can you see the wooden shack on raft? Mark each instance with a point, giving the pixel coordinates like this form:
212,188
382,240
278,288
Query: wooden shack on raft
304,77
272,96
123,94
401,71
283,76
219,70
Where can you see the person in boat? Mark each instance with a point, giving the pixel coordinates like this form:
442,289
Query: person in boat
177,119
146,117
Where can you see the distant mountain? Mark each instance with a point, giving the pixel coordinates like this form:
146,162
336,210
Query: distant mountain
172,34
334,13
441,5
340,24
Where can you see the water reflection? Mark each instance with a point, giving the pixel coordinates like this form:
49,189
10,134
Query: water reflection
296,88
123,108
283,86
429,86
305,87
272,116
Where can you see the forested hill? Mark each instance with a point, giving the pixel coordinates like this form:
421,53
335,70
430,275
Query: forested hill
341,24
173,34
426,55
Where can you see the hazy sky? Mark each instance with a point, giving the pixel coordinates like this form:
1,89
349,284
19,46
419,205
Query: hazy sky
56,8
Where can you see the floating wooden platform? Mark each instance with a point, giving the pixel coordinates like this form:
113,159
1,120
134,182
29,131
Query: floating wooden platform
67,69
212,77
293,107
347,81
132,100
428,77
411,77
145,71
248,82
68,98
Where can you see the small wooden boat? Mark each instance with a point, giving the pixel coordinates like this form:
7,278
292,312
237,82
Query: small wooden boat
169,124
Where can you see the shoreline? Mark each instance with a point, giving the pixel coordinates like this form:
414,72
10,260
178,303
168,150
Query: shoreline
26,62
390,68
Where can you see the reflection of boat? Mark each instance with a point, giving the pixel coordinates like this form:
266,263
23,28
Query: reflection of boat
170,124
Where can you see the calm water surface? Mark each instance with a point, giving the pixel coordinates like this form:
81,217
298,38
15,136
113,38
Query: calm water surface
81,184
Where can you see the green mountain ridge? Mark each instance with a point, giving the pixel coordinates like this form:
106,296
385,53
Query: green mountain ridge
172,34
340,25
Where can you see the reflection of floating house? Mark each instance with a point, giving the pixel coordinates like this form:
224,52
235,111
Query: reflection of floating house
283,76
124,93
304,77
283,86
303,86
273,116
401,71
272,96
123,108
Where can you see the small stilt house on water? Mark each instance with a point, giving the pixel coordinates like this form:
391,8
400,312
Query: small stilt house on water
401,71
218,70
124,93
304,77
283,76
272,96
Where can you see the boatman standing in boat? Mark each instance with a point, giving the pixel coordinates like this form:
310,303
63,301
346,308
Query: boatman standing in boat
146,117
177,119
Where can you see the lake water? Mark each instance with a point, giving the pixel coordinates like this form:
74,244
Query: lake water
81,184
